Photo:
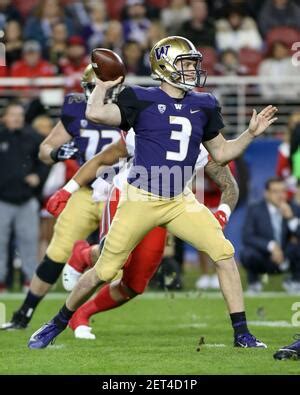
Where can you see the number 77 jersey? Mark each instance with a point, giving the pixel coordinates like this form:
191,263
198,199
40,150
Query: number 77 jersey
89,138
168,134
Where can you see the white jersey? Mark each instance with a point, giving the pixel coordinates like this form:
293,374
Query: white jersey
101,187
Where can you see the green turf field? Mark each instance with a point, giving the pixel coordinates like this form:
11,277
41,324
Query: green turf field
157,334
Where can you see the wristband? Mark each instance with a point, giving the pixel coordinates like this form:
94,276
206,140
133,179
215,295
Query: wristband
226,209
72,186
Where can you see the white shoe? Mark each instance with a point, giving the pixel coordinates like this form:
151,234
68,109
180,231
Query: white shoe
84,332
254,288
214,282
203,282
291,286
70,277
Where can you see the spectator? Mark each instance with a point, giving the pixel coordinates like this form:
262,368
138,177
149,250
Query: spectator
78,12
279,64
156,32
93,33
25,7
74,64
175,15
113,37
271,238
58,44
46,14
199,29
13,42
277,13
133,58
253,7
32,65
229,64
136,26
8,13
237,31
21,173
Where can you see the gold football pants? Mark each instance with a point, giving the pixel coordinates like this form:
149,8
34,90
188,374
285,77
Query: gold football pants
139,211
77,221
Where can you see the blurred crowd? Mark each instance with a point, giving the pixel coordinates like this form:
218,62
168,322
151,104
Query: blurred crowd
236,37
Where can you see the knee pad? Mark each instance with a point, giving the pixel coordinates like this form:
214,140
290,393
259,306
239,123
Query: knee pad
49,270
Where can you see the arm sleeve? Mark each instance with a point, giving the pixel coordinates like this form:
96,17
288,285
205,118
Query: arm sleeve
129,107
214,123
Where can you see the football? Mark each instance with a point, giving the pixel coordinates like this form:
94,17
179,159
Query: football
107,65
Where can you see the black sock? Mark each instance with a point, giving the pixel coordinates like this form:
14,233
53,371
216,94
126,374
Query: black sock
63,317
239,323
30,303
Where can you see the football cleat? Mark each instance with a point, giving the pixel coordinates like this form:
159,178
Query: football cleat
246,340
19,321
45,335
84,332
289,352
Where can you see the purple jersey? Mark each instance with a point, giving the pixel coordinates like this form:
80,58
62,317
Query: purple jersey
89,138
168,133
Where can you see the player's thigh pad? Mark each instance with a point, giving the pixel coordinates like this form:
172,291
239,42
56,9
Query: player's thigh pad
134,218
196,225
77,221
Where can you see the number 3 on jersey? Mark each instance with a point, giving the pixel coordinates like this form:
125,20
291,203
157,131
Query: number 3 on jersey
94,137
183,136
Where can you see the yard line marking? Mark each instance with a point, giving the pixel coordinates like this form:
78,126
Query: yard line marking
214,345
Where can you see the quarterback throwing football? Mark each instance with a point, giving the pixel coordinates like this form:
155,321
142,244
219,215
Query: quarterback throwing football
170,123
